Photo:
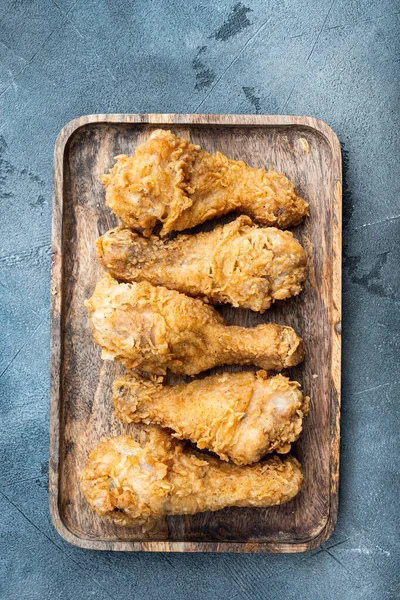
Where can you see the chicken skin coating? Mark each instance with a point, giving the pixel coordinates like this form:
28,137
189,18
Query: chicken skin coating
247,266
239,416
132,483
170,181
153,328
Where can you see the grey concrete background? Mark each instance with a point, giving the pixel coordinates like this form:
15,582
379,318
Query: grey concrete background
337,60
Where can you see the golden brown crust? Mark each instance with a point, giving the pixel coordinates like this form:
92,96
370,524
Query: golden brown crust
153,328
247,266
239,416
131,483
170,181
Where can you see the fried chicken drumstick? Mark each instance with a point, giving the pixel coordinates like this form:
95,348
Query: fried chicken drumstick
132,483
170,181
239,263
153,328
239,416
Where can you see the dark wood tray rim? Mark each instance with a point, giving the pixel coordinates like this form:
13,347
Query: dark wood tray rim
55,330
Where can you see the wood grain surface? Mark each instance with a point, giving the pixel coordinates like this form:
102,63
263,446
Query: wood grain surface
308,152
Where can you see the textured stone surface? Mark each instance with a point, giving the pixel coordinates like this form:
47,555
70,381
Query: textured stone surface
334,60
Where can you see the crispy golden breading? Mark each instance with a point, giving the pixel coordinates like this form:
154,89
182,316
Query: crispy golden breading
131,483
170,181
239,416
153,328
247,266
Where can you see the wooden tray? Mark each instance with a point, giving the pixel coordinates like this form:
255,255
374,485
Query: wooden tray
308,152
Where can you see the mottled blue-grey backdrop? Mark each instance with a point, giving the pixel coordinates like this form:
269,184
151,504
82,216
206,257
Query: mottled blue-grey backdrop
337,60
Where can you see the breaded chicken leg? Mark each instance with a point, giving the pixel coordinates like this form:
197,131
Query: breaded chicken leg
132,483
247,266
153,328
239,416
170,181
